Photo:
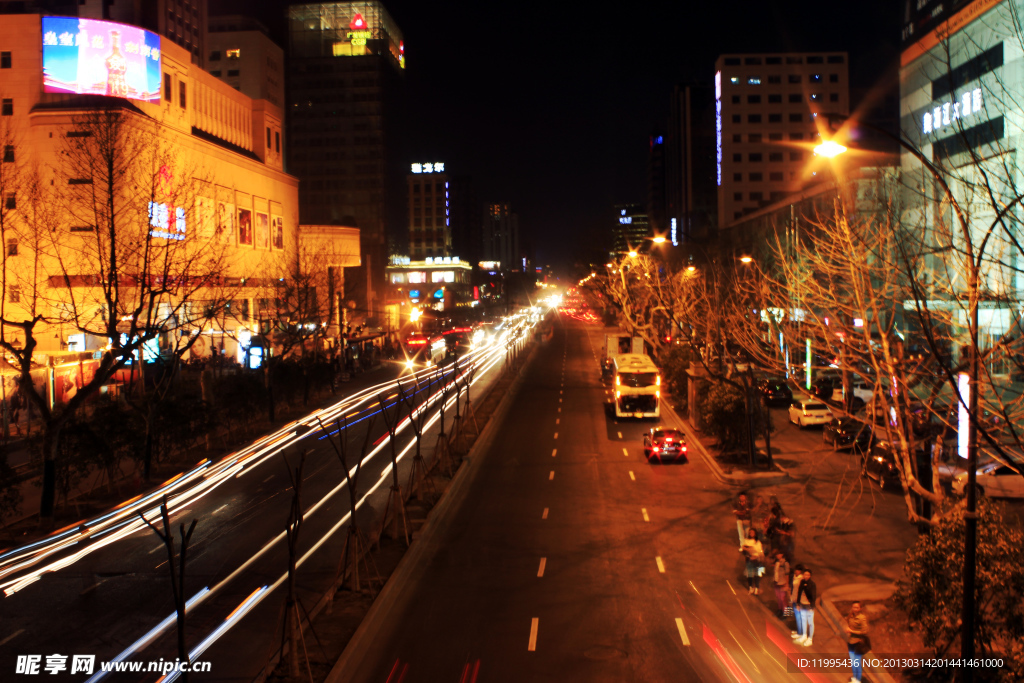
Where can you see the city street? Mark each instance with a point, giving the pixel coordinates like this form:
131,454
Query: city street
574,559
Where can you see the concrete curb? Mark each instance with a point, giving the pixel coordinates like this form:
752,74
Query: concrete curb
855,591
426,544
745,479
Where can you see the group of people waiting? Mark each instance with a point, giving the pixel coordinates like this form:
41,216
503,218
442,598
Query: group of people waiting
795,590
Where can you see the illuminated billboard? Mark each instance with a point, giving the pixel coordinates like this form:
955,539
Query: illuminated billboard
91,57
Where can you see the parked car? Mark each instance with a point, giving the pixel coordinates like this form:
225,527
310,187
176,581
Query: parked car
825,385
862,393
845,432
996,480
775,391
662,444
878,462
807,411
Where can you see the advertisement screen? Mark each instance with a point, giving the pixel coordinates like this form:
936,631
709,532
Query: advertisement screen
91,57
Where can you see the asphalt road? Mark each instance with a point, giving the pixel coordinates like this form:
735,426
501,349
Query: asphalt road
105,601
572,558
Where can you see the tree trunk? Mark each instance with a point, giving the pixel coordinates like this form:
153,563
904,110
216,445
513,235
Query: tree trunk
51,439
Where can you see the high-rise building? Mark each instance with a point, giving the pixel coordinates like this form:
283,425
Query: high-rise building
466,210
630,229
501,237
767,108
344,108
429,211
690,186
242,55
657,185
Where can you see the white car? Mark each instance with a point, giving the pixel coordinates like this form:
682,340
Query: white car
995,480
862,391
808,411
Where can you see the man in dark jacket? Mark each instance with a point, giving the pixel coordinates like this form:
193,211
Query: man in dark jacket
805,597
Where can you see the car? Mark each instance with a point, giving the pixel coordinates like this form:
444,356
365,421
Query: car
878,462
862,393
996,480
807,411
846,431
662,443
775,391
826,384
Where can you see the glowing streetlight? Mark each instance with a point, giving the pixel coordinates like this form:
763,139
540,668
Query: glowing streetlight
414,315
690,269
746,259
829,149
660,239
632,254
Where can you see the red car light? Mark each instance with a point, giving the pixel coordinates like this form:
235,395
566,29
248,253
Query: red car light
656,449
684,449
668,439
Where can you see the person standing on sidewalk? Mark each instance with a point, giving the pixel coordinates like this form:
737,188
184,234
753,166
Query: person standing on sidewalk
742,512
857,640
805,597
785,533
798,613
754,552
781,579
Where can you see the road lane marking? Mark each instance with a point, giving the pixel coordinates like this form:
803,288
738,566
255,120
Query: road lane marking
682,632
646,518
661,565
556,435
268,478
745,652
632,476
159,547
730,587
12,636
554,452
544,515
620,435
559,399
551,476
558,420
625,452
543,563
533,635
695,588
559,409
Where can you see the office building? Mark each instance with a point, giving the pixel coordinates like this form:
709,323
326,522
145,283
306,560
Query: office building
631,228
691,202
429,211
501,238
181,21
344,103
767,108
241,53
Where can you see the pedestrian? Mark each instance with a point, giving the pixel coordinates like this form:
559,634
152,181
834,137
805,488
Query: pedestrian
857,641
785,534
771,525
781,577
754,553
742,512
805,597
798,613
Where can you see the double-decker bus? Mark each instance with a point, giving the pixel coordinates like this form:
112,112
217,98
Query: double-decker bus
637,386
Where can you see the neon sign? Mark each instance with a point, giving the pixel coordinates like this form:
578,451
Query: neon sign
675,242
436,167
718,124
944,115
160,219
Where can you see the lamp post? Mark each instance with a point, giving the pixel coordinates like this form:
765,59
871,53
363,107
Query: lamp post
831,149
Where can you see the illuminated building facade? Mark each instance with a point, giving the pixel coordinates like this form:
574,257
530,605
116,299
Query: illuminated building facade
631,228
181,21
243,201
344,100
441,283
767,108
430,232
241,53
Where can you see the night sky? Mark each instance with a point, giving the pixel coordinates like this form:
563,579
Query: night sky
550,105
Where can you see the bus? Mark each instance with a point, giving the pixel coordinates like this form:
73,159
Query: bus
637,386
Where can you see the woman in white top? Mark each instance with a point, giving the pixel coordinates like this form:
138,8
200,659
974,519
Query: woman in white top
754,554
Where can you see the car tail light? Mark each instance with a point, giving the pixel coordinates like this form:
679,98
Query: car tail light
668,439
684,449
656,449
618,380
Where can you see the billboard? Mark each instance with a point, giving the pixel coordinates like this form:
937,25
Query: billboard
91,57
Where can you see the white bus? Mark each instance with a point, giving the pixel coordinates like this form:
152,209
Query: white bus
637,386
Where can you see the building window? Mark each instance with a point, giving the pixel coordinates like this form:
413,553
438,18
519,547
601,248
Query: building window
777,176
81,228
796,136
737,196
215,56
232,72
12,247
815,96
8,154
833,97
753,118
13,294
736,118
833,78
277,141
753,80
736,137
7,107
776,79
167,87
756,196
755,156
737,157
775,99
734,80
774,118
753,99
5,60
816,59
737,214
775,156
181,93
10,202
796,118
796,156
835,59
215,73
775,136
732,61
738,177
773,60
235,53
735,99
754,137
756,177
794,60
268,137
794,78
795,98
815,78
752,61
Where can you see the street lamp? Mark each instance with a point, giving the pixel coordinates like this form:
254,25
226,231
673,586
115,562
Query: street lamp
632,253
659,239
829,149
746,259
